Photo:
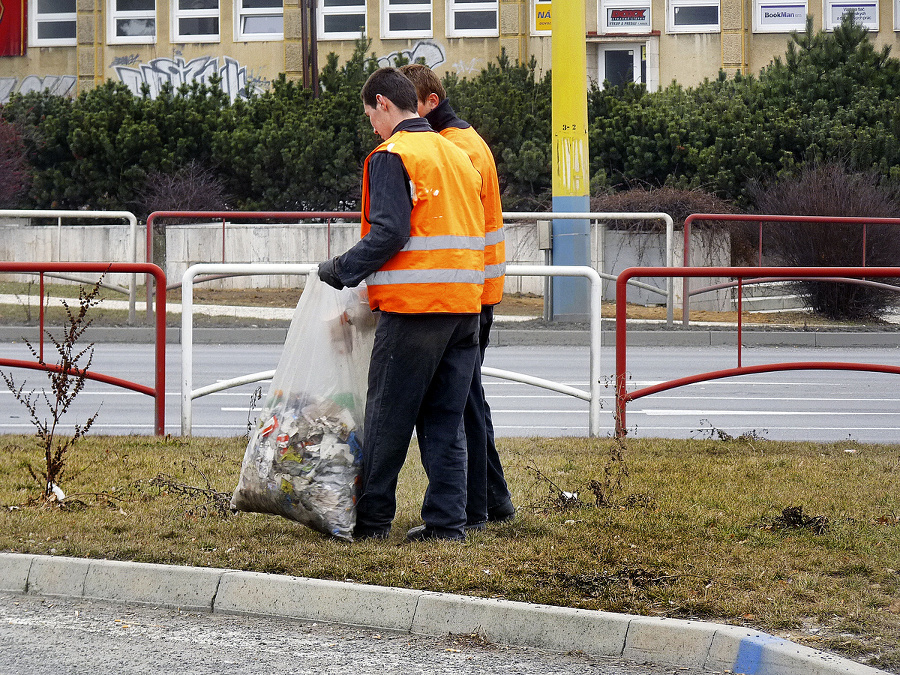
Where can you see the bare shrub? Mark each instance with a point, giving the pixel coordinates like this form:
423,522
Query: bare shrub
14,179
67,380
679,204
193,187
831,190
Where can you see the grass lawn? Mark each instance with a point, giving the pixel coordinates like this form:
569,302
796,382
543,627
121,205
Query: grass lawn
700,529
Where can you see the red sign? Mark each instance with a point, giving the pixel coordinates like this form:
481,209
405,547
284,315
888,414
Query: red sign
12,27
630,14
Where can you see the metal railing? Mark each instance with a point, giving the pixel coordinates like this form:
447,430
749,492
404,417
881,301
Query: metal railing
762,219
740,273
160,217
188,393
59,215
158,391
598,241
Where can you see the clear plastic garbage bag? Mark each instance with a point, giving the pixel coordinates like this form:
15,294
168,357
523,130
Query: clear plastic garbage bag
302,461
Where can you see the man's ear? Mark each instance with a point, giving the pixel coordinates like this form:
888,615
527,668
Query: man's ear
432,101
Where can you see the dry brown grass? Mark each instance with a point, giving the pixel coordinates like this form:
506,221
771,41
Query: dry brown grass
712,544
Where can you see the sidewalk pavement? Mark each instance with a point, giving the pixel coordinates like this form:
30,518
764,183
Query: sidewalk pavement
508,330
679,643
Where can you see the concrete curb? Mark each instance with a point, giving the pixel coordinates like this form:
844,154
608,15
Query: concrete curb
662,641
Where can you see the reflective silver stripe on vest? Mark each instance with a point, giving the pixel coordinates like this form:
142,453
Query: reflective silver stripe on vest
443,276
494,237
494,271
444,241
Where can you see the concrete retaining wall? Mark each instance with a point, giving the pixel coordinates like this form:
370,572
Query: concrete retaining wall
186,245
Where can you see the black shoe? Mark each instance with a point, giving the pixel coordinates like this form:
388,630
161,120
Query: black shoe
425,533
476,526
361,534
502,513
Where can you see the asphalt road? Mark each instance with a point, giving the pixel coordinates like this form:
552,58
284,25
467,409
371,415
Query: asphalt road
56,636
797,405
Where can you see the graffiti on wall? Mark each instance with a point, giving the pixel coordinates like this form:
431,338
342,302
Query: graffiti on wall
235,80
433,55
473,67
61,85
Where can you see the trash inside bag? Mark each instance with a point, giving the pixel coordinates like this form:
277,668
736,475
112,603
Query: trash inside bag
302,461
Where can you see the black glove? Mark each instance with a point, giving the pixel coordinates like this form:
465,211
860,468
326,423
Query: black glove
328,273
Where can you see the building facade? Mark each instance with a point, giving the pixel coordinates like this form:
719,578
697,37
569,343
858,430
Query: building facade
67,46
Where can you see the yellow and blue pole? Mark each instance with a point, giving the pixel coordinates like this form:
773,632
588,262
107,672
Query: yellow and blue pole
571,237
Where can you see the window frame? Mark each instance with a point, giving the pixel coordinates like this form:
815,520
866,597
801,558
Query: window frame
35,19
455,7
177,14
241,13
672,5
760,5
639,59
829,24
605,6
418,8
341,10
534,4
114,15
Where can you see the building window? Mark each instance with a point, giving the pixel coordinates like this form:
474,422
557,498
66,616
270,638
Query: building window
624,16
620,63
195,21
405,19
865,13
259,20
693,16
342,19
52,23
472,18
132,22
779,17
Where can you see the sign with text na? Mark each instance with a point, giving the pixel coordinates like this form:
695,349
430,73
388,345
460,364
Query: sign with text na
12,27
542,18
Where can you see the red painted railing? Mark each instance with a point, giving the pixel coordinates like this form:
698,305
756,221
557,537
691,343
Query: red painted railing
761,219
158,391
740,273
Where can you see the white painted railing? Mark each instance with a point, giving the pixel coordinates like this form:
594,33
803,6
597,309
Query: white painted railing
188,393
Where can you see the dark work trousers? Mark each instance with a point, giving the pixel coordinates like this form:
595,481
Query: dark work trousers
419,377
487,487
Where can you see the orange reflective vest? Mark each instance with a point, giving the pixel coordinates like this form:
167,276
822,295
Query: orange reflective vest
494,241
441,267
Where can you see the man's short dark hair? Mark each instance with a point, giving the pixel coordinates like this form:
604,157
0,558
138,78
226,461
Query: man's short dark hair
394,86
426,81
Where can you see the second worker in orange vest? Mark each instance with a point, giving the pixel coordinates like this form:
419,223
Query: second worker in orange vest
422,257
488,496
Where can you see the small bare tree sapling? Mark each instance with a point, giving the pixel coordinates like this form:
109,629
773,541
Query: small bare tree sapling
67,379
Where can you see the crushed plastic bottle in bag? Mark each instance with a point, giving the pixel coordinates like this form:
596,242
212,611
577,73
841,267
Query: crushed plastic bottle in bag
302,463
